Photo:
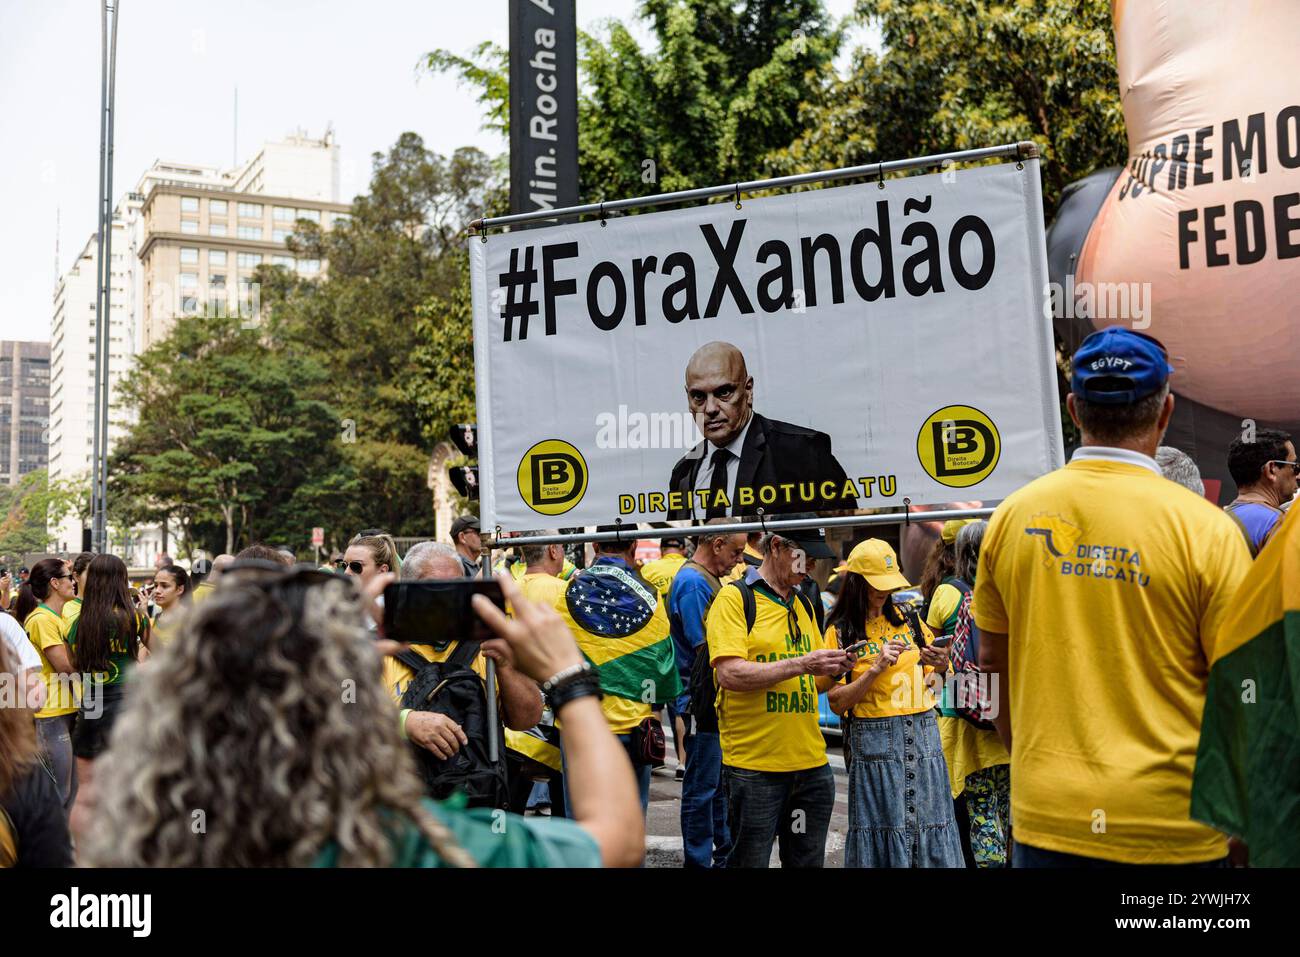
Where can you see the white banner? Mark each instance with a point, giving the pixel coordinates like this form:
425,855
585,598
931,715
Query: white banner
817,351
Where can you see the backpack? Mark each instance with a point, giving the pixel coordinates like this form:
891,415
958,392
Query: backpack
704,689
970,700
454,689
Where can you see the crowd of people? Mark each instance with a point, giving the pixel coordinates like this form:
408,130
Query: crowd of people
1036,701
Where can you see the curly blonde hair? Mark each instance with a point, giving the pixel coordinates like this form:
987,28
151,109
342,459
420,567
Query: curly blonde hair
266,714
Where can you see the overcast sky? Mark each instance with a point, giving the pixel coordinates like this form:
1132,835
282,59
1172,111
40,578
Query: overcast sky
298,64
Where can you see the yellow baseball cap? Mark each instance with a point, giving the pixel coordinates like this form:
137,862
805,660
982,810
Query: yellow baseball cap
952,527
875,561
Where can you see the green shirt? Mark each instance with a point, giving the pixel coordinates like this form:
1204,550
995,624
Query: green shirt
492,838
119,659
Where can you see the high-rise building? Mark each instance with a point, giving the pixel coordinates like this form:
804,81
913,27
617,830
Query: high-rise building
24,408
72,364
185,240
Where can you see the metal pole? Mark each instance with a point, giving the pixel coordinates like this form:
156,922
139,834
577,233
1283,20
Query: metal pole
104,247
763,525
99,268
1018,151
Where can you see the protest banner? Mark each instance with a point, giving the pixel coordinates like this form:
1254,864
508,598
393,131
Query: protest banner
818,351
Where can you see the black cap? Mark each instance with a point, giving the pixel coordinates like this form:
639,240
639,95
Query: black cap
464,523
673,542
811,540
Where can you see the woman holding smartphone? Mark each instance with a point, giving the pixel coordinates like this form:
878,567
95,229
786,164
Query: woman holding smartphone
900,808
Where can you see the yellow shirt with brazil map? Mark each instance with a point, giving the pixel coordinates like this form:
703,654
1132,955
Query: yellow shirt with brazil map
899,689
662,571
1111,583
776,728
48,630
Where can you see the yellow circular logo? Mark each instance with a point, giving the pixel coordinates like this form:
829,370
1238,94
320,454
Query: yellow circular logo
958,446
552,477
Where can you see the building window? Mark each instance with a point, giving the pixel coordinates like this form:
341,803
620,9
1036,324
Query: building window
217,280
312,215
309,266
250,210
286,261
216,229
217,207
250,232
282,214
340,219
189,305
189,204
189,280
189,227
281,235
216,257
189,255
249,260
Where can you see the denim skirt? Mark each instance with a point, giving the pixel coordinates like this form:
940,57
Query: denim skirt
900,806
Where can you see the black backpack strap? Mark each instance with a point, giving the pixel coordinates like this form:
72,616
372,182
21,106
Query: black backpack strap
808,607
465,653
412,660
748,602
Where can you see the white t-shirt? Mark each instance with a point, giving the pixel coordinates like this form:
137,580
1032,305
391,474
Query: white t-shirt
18,642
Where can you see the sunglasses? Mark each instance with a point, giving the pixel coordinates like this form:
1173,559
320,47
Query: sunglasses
356,567
1293,466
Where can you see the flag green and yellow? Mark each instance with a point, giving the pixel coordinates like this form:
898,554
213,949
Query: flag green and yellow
1247,781
621,626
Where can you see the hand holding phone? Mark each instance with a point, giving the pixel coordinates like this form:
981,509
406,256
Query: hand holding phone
438,612
857,648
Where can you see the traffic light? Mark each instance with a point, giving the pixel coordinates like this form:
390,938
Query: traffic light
465,477
465,438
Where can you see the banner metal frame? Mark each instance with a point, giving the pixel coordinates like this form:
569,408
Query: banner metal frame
1018,151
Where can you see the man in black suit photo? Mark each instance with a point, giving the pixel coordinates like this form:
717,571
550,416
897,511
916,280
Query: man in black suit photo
745,450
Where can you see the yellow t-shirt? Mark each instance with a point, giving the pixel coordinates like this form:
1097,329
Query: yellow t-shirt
662,571
71,612
776,728
1111,583
945,600
397,675
203,591
48,630
542,588
900,689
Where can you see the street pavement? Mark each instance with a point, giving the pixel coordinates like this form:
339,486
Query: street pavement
663,820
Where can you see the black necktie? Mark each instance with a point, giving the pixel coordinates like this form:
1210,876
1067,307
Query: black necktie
718,484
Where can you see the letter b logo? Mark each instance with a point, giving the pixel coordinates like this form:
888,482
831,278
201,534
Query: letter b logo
958,446
552,477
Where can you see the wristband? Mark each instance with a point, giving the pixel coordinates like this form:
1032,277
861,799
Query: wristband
581,684
401,723
559,677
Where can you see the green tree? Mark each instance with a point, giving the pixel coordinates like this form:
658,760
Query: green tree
29,508
961,74
224,431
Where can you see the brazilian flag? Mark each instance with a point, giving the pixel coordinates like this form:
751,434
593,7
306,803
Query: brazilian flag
1247,781
622,629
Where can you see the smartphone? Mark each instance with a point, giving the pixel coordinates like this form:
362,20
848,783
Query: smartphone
856,648
943,641
438,612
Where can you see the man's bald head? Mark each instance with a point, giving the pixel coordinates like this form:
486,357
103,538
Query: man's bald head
719,391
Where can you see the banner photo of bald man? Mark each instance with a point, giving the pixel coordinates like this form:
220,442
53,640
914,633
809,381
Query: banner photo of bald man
822,351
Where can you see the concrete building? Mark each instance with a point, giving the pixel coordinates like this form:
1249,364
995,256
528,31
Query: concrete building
185,240
24,408
72,365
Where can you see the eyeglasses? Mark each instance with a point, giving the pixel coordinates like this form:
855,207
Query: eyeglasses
1293,466
357,567
57,577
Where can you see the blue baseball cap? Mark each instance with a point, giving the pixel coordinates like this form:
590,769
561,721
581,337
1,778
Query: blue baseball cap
1118,366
